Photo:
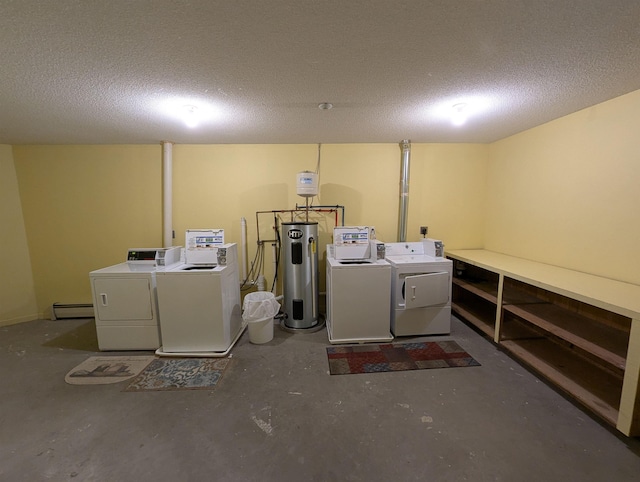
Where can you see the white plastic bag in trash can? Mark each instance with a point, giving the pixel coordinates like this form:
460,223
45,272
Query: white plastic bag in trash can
259,305
259,308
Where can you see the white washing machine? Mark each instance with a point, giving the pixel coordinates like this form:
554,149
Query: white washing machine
199,302
124,300
358,301
420,289
358,288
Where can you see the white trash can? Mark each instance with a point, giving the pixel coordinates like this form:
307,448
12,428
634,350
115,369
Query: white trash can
261,331
259,308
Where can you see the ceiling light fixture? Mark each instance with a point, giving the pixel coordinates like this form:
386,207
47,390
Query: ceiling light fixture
325,106
461,109
190,113
459,114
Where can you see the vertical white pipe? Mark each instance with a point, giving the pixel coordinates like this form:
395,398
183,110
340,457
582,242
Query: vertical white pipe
405,145
167,193
243,245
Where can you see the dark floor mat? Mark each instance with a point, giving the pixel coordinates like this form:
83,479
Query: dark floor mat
390,357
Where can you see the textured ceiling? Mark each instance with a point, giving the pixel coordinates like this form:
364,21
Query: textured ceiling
108,71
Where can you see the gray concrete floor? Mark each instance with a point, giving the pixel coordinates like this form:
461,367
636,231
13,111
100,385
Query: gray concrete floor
277,415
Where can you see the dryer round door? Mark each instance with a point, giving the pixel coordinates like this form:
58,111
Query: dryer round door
426,289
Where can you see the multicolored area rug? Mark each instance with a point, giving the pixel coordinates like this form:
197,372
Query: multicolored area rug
180,374
100,370
391,357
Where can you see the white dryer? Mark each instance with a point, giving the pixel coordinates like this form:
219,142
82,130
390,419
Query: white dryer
199,301
124,300
420,289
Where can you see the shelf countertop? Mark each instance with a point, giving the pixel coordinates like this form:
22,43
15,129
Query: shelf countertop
616,296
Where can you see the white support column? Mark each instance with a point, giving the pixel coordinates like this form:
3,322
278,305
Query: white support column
167,194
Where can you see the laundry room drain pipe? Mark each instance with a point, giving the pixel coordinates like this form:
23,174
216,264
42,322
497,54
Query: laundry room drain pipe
405,145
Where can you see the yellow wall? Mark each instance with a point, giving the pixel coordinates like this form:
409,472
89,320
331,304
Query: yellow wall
563,193
447,193
567,192
216,185
83,207
17,294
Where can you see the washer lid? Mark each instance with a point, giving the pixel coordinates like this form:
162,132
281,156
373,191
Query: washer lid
199,267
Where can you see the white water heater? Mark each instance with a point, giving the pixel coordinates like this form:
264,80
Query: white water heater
300,276
307,184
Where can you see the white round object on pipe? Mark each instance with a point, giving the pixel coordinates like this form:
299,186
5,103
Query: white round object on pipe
307,184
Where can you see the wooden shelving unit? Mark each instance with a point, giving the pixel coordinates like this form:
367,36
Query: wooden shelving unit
474,305
595,388
579,332
482,289
603,342
475,297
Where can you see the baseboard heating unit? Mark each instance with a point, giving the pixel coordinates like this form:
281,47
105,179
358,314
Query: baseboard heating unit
63,311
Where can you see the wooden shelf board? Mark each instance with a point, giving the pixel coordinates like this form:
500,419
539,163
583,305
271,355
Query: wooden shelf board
472,317
511,296
518,330
606,343
594,388
485,290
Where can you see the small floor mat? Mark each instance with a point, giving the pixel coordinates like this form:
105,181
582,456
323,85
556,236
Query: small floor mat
391,357
100,370
180,374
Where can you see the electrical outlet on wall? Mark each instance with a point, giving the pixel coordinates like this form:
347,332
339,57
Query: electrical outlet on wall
423,231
